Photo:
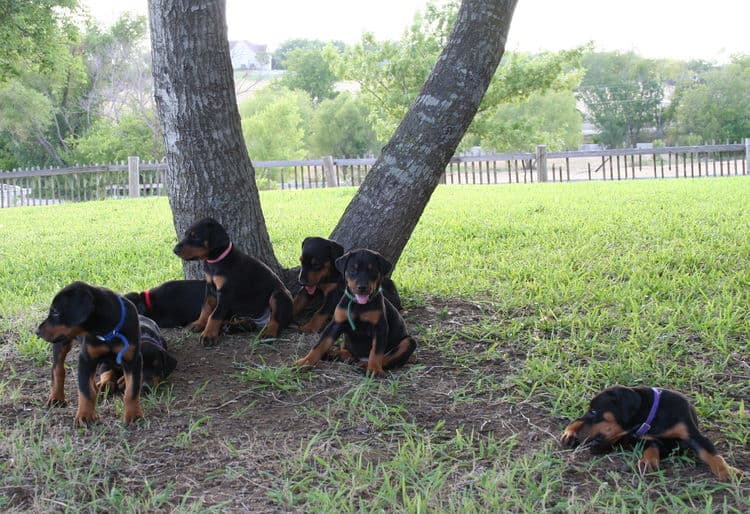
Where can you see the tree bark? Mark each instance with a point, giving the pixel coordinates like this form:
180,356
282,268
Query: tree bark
390,201
210,173
209,170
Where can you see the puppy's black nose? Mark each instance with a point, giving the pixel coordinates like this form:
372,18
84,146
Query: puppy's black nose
38,330
177,249
362,289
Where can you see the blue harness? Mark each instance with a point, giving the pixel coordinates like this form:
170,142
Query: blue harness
116,333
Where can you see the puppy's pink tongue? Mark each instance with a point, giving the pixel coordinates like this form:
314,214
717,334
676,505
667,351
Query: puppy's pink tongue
362,298
310,290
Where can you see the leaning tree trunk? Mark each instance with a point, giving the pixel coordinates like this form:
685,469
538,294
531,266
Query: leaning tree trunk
393,196
209,171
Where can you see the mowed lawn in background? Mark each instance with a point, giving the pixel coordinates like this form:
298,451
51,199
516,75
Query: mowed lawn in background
581,286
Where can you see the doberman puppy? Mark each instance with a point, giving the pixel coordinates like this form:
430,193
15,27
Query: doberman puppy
238,287
158,364
663,419
375,335
108,327
318,275
175,303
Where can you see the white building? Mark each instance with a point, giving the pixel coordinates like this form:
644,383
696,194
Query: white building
249,56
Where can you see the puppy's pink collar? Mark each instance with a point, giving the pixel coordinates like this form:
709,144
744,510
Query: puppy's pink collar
223,254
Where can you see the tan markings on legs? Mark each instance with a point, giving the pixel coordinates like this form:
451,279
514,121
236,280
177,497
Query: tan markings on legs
316,353
273,328
132,404
375,361
570,434
57,391
208,307
106,379
718,465
298,304
86,413
316,323
649,461
401,349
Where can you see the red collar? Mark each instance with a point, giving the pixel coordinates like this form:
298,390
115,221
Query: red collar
223,254
147,298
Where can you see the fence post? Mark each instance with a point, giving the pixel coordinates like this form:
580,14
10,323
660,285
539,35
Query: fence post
134,189
329,171
747,155
541,163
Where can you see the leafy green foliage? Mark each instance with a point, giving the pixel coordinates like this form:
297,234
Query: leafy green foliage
550,118
279,56
31,32
274,124
623,94
114,141
717,106
340,127
391,74
312,71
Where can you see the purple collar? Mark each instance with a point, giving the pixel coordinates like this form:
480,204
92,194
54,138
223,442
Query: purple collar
646,425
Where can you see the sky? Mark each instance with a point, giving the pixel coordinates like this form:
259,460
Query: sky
679,29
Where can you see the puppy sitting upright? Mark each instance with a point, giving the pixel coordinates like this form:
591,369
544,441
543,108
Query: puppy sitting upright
662,418
375,335
238,287
109,328
318,273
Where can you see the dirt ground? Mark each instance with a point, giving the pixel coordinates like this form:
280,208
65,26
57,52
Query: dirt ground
229,440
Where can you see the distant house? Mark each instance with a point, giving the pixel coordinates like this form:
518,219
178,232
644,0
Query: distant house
249,56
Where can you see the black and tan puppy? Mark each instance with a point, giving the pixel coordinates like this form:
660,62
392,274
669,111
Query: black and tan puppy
238,287
158,363
321,283
175,303
375,335
318,276
108,328
663,419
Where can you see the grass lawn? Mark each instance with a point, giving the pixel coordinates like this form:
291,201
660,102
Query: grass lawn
525,300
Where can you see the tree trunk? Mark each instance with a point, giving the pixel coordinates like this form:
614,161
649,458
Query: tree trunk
393,196
209,170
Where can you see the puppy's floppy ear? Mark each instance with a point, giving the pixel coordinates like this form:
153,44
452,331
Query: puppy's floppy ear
626,403
336,250
217,236
79,305
384,265
341,262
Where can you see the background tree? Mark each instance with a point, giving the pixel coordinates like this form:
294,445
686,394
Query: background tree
213,175
274,124
95,95
340,127
393,196
280,54
550,118
30,31
623,95
392,73
312,71
209,170
716,105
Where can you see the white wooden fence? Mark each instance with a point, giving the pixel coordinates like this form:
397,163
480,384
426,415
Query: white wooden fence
136,178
